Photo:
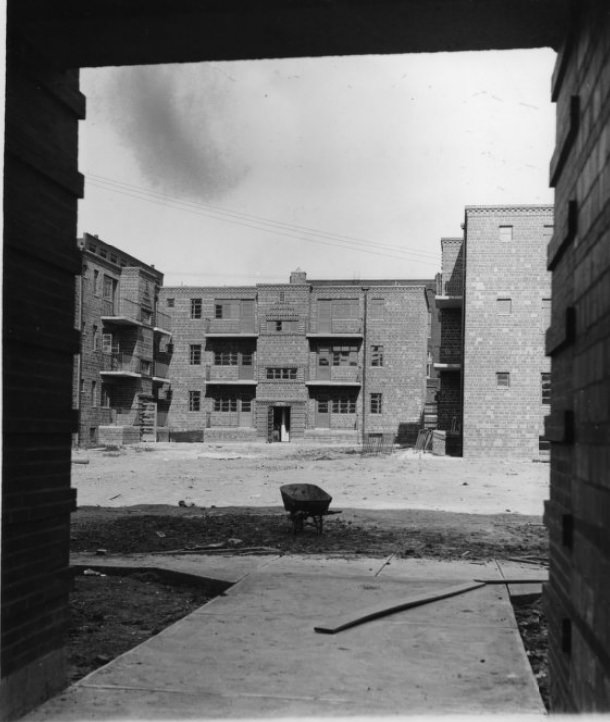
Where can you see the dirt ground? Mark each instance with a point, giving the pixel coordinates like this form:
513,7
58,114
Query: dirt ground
233,475
181,497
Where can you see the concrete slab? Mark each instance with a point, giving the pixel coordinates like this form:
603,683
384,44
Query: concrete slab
253,653
225,567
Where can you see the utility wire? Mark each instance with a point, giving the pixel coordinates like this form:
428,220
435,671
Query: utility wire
259,223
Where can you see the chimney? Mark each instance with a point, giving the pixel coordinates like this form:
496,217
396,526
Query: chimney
298,277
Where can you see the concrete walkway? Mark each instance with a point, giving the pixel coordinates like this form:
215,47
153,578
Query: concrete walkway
254,653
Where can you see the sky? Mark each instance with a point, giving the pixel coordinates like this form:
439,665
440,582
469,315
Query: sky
240,172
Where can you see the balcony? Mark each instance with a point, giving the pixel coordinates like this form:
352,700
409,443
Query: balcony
336,328
163,323
230,327
126,313
230,375
123,365
334,376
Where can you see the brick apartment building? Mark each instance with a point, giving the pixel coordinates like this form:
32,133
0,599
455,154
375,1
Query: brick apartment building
306,359
494,305
120,376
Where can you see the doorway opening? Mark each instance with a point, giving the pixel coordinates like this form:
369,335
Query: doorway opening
280,423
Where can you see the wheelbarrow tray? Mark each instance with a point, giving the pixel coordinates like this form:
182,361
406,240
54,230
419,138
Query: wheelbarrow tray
305,498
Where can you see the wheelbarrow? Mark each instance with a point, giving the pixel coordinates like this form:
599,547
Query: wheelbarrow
306,501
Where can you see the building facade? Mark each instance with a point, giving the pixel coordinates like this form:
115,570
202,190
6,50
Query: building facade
120,375
328,360
495,304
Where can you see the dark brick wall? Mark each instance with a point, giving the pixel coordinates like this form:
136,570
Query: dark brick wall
40,260
577,598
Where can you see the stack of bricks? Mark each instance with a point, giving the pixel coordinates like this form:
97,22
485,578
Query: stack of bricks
578,512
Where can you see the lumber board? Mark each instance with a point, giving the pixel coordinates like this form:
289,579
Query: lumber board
345,621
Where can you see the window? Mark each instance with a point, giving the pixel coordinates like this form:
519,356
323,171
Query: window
225,404
545,382
345,308
376,403
82,386
93,393
246,358
145,368
96,340
195,308
377,355
109,288
281,326
96,283
503,379
246,406
281,374
504,306
547,232
226,357
195,354
114,258
227,309
282,296
323,405
105,397
194,400
344,404
506,233
103,253
170,302
345,355
429,366
107,343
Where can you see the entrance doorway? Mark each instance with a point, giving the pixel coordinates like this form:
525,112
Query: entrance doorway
278,423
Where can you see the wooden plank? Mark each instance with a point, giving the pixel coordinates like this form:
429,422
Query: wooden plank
351,620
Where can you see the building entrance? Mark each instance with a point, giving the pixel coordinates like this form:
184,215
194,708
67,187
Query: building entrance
279,423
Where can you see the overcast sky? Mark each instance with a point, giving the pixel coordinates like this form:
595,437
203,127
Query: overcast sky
239,172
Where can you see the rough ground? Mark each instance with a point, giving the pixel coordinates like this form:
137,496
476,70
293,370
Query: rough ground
168,497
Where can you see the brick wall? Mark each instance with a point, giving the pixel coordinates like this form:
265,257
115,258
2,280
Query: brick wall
397,320
43,107
506,283
401,327
452,250
577,598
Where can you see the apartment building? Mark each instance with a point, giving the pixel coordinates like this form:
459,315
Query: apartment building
301,360
120,381
494,304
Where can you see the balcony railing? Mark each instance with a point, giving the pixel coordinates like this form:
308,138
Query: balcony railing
230,374
336,327
124,364
230,326
334,375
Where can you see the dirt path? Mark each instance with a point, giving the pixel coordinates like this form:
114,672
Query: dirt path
250,475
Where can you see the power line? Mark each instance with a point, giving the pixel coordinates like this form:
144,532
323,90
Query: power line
260,223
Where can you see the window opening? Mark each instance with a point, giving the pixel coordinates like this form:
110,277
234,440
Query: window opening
194,400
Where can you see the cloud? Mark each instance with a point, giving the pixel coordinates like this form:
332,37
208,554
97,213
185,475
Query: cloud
175,121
